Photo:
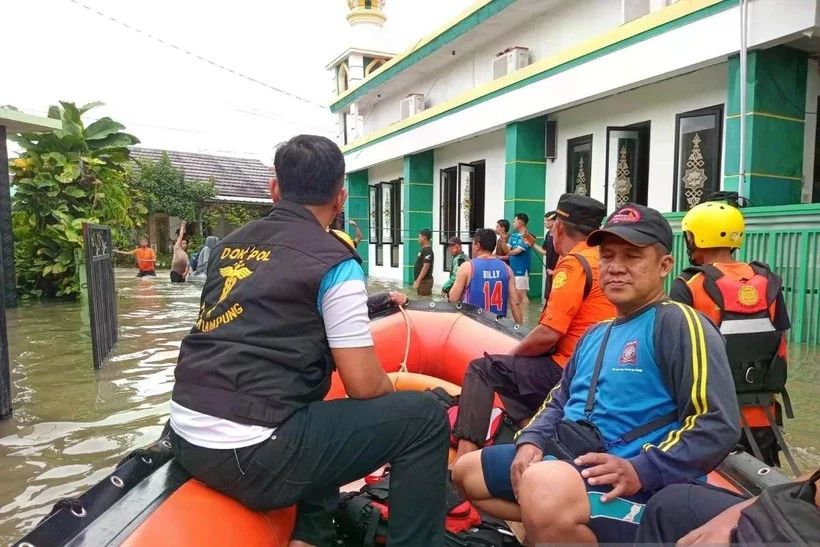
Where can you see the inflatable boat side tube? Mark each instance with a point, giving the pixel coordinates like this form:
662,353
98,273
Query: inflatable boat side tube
507,326
748,474
136,486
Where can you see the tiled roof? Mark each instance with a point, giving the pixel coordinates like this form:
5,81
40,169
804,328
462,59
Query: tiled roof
236,179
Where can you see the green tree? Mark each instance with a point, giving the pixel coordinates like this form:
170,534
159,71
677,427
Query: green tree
167,191
64,178
234,214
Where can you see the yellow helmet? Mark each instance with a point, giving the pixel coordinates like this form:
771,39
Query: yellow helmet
715,224
344,237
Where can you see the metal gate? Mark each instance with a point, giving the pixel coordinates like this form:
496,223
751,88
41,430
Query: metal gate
5,373
102,295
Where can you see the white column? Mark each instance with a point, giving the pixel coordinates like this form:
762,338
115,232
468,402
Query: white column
334,89
809,140
356,69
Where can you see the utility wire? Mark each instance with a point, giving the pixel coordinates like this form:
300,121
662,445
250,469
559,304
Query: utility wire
203,59
122,121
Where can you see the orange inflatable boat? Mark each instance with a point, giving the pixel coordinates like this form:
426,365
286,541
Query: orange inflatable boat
150,500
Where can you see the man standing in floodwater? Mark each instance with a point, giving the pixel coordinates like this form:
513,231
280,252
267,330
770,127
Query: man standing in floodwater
518,253
146,258
285,304
454,247
502,229
179,264
423,269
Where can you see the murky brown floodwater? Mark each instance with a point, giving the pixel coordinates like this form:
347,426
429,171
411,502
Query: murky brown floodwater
72,425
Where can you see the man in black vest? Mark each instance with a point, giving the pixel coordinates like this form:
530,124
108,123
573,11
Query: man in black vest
283,305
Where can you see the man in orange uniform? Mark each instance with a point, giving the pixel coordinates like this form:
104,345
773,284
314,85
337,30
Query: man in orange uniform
524,378
746,302
146,257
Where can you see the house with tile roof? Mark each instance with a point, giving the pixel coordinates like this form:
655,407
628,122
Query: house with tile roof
238,181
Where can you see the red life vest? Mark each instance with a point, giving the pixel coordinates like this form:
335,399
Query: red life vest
752,341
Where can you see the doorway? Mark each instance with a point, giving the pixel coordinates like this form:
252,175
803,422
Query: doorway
462,190
627,165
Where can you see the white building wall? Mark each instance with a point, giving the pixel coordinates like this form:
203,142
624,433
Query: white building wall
378,174
676,51
490,148
657,103
560,28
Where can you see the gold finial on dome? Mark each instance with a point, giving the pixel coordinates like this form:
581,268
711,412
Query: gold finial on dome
366,11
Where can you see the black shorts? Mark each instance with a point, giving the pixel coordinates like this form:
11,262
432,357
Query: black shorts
177,278
615,521
144,273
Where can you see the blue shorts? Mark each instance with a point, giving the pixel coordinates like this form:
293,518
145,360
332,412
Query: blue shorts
615,521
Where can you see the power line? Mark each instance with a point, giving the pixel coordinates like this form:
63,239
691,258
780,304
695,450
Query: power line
271,116
125,122
199,57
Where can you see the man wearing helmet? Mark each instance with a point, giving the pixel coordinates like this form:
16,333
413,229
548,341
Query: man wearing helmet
746,301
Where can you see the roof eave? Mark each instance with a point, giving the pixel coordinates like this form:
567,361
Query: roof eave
363,51
241,200
20,122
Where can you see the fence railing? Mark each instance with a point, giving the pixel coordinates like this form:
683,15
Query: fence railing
102,296
788,239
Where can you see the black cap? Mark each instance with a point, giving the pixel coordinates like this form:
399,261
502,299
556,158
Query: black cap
637,224
580,210
550,215
454,241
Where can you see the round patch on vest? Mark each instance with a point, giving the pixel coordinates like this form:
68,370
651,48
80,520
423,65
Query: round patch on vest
747,295
559,280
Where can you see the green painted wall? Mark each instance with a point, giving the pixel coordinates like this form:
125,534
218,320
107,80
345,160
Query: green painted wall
417,207
525,178
775,119
357,209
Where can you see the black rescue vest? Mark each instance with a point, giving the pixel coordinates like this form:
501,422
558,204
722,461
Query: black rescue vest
752,342
258,351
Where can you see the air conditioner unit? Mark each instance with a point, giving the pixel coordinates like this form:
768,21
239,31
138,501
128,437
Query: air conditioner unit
510,60
412,105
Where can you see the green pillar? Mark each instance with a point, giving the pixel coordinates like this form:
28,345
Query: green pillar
417,207
525,185
775,119
356,209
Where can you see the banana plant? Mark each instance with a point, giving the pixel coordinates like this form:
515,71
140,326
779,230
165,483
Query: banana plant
62,178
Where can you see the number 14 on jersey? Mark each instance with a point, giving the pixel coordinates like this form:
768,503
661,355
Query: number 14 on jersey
493,296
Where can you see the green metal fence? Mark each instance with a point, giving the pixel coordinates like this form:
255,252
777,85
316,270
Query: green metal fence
788,239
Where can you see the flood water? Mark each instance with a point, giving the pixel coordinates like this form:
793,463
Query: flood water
72,425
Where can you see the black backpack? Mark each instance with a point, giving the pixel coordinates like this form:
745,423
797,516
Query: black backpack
362,519
502,429
785,514
490,533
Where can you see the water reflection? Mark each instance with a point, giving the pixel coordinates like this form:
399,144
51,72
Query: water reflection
72,425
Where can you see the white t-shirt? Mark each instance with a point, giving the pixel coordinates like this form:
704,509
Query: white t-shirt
342,303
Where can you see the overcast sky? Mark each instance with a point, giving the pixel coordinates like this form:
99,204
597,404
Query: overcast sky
60,50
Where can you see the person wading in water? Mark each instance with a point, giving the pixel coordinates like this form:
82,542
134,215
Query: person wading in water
146,258
179,264
204,255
